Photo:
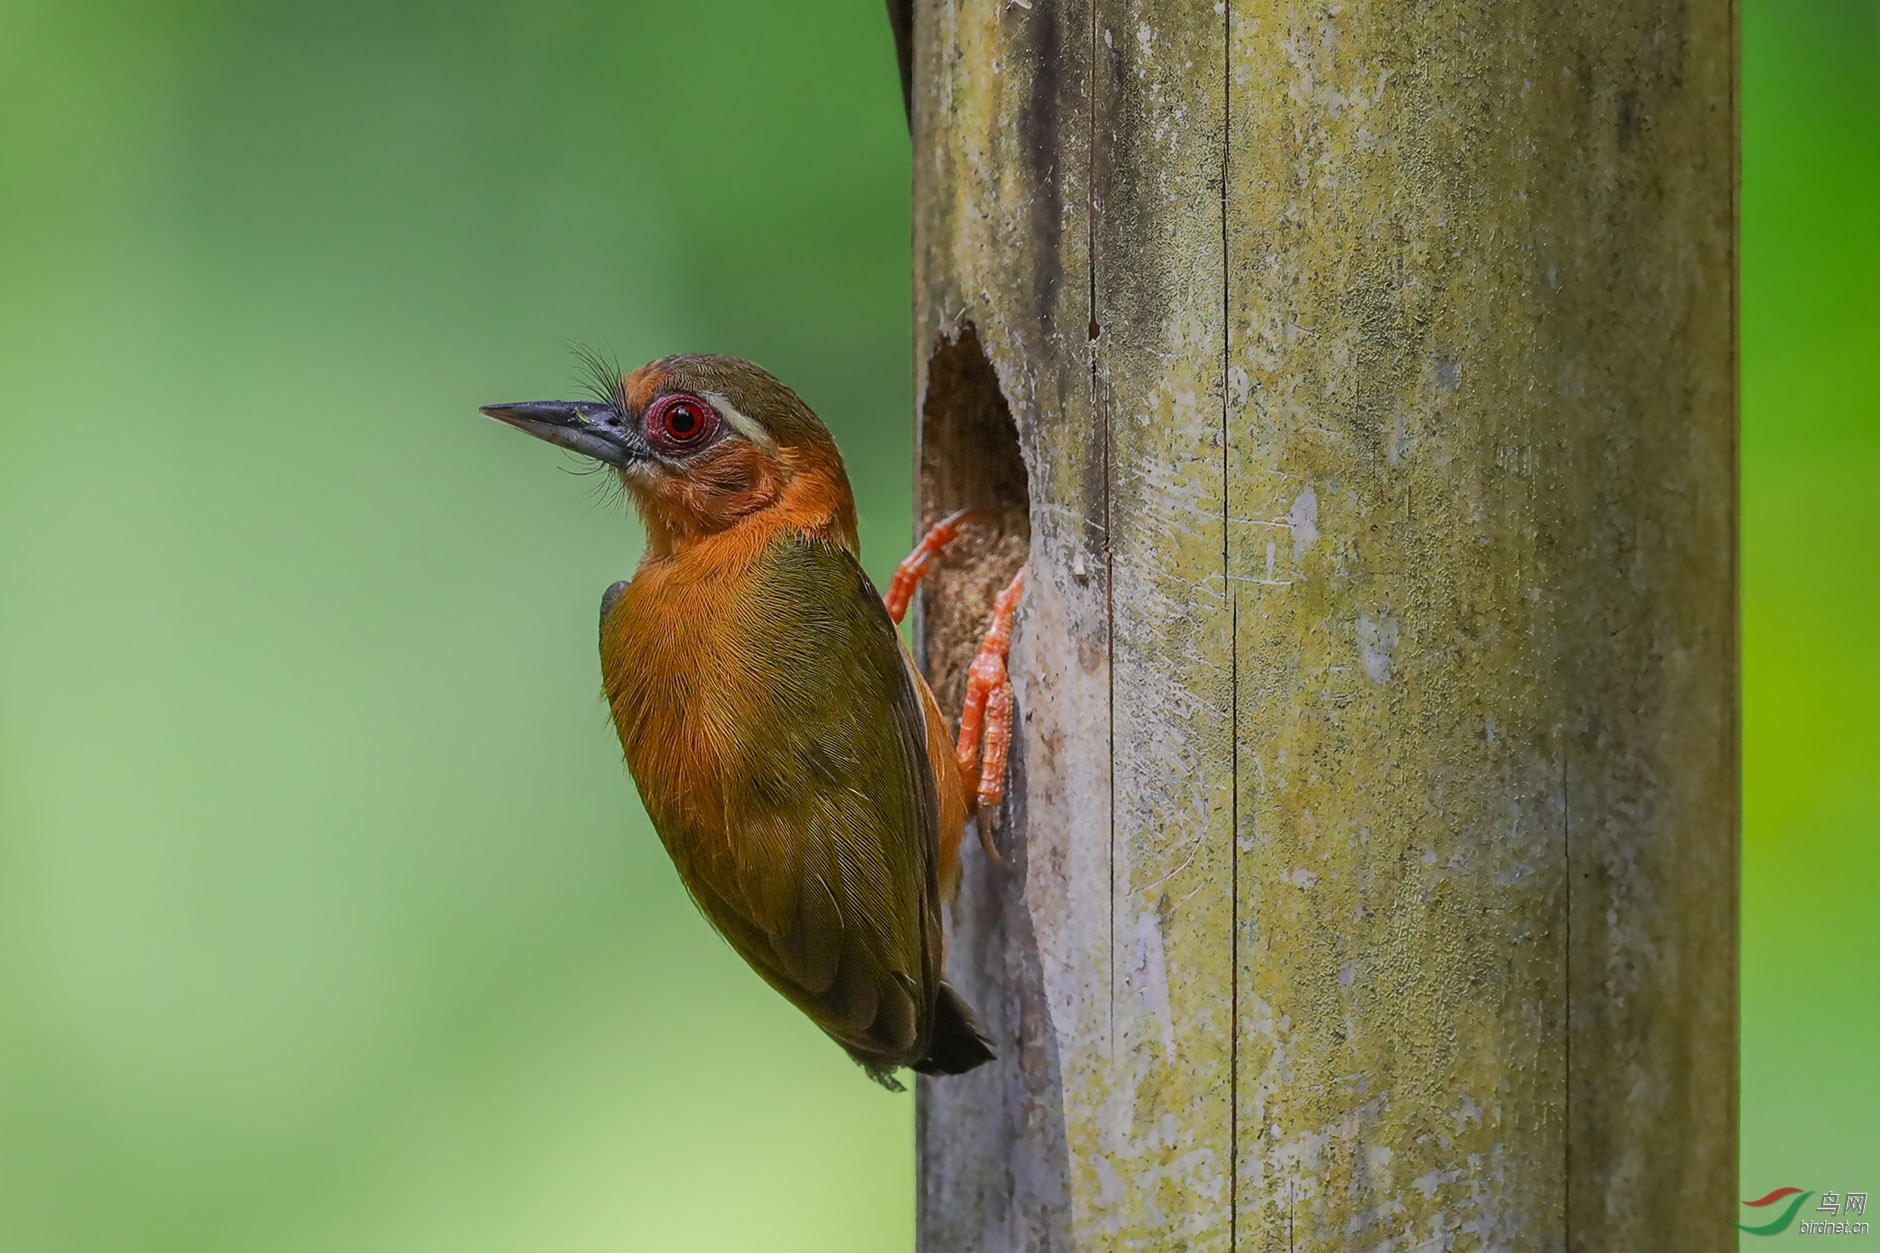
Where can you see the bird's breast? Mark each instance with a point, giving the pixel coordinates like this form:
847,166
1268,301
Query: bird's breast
679,678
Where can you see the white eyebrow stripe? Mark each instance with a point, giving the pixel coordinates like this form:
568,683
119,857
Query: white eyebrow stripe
749,428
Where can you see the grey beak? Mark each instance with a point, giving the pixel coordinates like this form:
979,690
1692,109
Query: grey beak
584,426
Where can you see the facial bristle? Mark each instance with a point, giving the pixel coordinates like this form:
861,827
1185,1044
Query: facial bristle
600,373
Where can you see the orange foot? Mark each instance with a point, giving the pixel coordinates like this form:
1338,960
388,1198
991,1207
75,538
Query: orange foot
988,687
989,698
908,574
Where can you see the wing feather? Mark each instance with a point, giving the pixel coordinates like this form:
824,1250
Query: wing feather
815,853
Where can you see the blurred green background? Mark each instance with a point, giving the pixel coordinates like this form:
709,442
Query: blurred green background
327,919
1811,600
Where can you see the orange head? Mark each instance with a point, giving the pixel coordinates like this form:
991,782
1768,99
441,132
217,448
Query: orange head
703,443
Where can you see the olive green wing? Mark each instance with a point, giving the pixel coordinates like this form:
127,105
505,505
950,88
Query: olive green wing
833,809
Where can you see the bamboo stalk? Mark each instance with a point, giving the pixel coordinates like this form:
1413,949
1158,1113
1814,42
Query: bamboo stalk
1372,851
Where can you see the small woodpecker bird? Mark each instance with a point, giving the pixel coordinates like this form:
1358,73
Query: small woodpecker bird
791,756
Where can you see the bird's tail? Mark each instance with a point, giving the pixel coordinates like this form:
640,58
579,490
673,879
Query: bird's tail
957,1046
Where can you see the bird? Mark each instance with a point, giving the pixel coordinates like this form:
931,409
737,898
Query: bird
792,758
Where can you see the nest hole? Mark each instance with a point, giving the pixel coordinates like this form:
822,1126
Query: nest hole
969,459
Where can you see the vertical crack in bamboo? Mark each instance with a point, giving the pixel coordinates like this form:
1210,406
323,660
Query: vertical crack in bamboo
1233,652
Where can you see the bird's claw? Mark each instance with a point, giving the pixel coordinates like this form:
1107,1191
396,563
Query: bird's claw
986,719
914,566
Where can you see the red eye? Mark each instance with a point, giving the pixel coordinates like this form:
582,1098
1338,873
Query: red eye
680,423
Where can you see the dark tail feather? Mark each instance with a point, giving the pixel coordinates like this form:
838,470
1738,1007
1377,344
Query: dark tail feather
957,1046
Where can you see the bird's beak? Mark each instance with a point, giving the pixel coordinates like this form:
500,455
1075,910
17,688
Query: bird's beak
583,426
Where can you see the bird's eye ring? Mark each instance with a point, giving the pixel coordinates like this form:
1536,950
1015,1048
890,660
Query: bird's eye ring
680,423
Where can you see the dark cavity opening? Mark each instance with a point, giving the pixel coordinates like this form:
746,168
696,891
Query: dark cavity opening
969,459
